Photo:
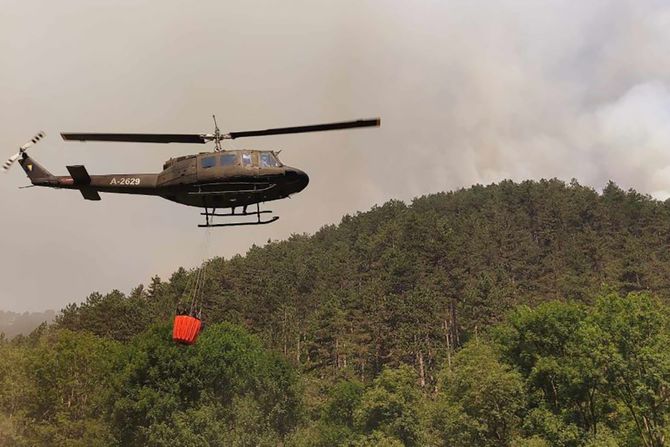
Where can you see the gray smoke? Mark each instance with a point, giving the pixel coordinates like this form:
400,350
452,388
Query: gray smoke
469,92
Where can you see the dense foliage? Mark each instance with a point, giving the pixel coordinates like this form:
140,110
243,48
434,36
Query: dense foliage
74,388
532,314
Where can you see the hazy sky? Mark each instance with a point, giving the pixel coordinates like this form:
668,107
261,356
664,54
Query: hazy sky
468,92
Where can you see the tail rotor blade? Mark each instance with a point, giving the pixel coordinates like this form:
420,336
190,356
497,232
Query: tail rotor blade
32,141
10,161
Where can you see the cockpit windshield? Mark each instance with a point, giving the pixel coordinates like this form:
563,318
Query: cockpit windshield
269,160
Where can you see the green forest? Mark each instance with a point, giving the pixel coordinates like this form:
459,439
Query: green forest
516,314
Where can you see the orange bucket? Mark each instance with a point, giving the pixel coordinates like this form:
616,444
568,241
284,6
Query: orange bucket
186,329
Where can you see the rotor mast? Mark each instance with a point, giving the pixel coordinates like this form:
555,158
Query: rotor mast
217,136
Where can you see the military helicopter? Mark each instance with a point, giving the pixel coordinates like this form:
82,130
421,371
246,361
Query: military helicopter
218,180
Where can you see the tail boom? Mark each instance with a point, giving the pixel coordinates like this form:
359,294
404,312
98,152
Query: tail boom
91,185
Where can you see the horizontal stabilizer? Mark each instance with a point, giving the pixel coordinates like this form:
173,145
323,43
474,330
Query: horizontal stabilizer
90,194
80,175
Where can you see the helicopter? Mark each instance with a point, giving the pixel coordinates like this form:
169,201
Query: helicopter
217,180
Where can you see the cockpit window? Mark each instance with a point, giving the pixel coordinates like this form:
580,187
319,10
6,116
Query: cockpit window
246,159
229,159
268,160
208,162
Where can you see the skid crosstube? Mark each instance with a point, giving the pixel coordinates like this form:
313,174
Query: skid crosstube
236,214
256,213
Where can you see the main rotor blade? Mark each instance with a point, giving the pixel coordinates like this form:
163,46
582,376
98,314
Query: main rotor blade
301,129
204,138
138,137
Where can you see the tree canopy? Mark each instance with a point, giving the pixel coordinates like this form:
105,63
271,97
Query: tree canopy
515,314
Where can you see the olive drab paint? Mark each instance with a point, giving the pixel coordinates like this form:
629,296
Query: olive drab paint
223,179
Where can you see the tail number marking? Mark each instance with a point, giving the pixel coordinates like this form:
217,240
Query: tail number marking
126,181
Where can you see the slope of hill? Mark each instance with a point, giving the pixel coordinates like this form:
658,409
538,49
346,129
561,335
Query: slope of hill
532,314
13,323
410,283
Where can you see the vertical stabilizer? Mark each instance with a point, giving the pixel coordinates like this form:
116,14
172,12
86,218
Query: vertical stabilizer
35,171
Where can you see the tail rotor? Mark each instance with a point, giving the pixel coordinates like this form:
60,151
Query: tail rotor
10,161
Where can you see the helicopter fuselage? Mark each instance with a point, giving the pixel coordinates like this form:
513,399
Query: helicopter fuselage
210,180
228,179
224,179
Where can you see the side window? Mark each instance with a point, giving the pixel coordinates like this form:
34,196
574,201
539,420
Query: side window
268,160
208,162
246,159
229,159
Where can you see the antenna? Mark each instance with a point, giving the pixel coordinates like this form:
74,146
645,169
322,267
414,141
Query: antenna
217,135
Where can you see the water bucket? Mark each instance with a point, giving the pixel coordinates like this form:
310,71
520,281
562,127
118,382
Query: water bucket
186,329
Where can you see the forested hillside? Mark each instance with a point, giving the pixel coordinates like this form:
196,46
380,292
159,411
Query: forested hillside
400,284
524,314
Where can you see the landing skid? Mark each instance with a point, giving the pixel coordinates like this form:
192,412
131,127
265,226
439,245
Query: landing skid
239,224
257,213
